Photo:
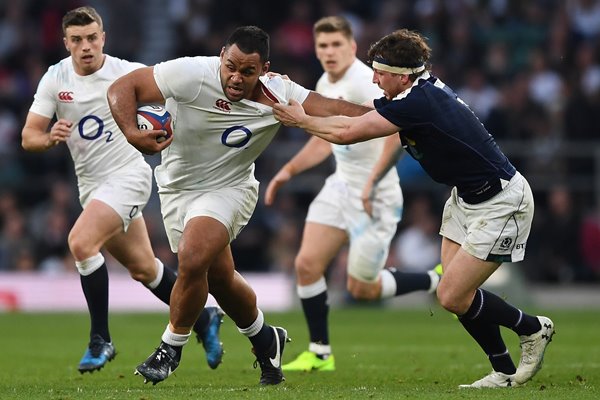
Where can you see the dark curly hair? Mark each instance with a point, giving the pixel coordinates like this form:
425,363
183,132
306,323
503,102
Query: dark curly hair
402,48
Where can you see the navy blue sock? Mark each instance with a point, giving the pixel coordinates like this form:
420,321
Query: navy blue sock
407,282
95,290
487,335
497,311
316,310
165,286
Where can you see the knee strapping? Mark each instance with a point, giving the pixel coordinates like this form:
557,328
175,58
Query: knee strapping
90,265
366,258
365,269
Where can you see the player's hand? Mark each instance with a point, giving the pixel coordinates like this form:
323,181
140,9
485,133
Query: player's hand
289,115
149,141
367,196
60,132
278,180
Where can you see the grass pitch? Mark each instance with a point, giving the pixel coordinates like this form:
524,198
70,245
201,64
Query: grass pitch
380,354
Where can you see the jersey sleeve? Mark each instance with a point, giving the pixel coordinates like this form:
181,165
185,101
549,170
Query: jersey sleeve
44,103
287,89
181,78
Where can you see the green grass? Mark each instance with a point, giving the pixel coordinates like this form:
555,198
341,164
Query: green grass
380,354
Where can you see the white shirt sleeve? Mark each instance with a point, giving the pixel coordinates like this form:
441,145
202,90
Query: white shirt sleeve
44,103
181,78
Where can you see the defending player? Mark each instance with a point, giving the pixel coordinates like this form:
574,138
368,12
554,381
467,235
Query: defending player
487,218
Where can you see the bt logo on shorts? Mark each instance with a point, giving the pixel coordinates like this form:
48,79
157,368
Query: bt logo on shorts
223,105
65,97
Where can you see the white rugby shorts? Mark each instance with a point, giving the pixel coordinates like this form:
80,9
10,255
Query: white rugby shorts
231,206
127,192
339,205
496,229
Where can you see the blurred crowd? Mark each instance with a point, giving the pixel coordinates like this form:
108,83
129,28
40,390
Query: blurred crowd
530,70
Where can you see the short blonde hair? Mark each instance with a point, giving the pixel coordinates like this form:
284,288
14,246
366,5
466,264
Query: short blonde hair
333,24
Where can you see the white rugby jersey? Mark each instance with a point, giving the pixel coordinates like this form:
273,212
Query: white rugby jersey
97,145
355,162
215,141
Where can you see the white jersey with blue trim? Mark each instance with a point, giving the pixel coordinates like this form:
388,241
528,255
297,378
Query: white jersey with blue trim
354,162
215,141
97,145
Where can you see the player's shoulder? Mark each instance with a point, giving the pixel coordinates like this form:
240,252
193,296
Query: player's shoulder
192,64
64,65
59,72
118,66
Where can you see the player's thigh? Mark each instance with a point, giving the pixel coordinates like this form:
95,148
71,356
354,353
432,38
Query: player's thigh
203,243
97,223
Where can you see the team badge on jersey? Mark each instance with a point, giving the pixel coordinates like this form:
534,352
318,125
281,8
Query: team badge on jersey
223,105
65,97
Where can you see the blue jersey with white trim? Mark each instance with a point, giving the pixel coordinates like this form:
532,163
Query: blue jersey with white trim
442,133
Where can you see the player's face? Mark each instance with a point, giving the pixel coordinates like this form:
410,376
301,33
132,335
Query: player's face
391,84
335,52
240,72
85,43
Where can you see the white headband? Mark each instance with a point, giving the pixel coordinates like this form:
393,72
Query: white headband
397,70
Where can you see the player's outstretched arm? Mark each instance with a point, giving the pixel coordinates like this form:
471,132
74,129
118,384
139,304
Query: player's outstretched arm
335,129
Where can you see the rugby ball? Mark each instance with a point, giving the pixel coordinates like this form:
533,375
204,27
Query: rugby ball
155,117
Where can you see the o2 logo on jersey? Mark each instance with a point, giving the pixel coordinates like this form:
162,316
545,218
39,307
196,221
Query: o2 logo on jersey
85,123
236,136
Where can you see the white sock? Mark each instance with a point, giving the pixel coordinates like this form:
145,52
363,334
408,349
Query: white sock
435,280
312,290
319,349
160,269
388,284
174,339
256,326
89,265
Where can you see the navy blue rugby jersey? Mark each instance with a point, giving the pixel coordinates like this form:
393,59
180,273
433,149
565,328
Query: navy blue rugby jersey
442,133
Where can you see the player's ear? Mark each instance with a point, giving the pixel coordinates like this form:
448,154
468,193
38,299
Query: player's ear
265,67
